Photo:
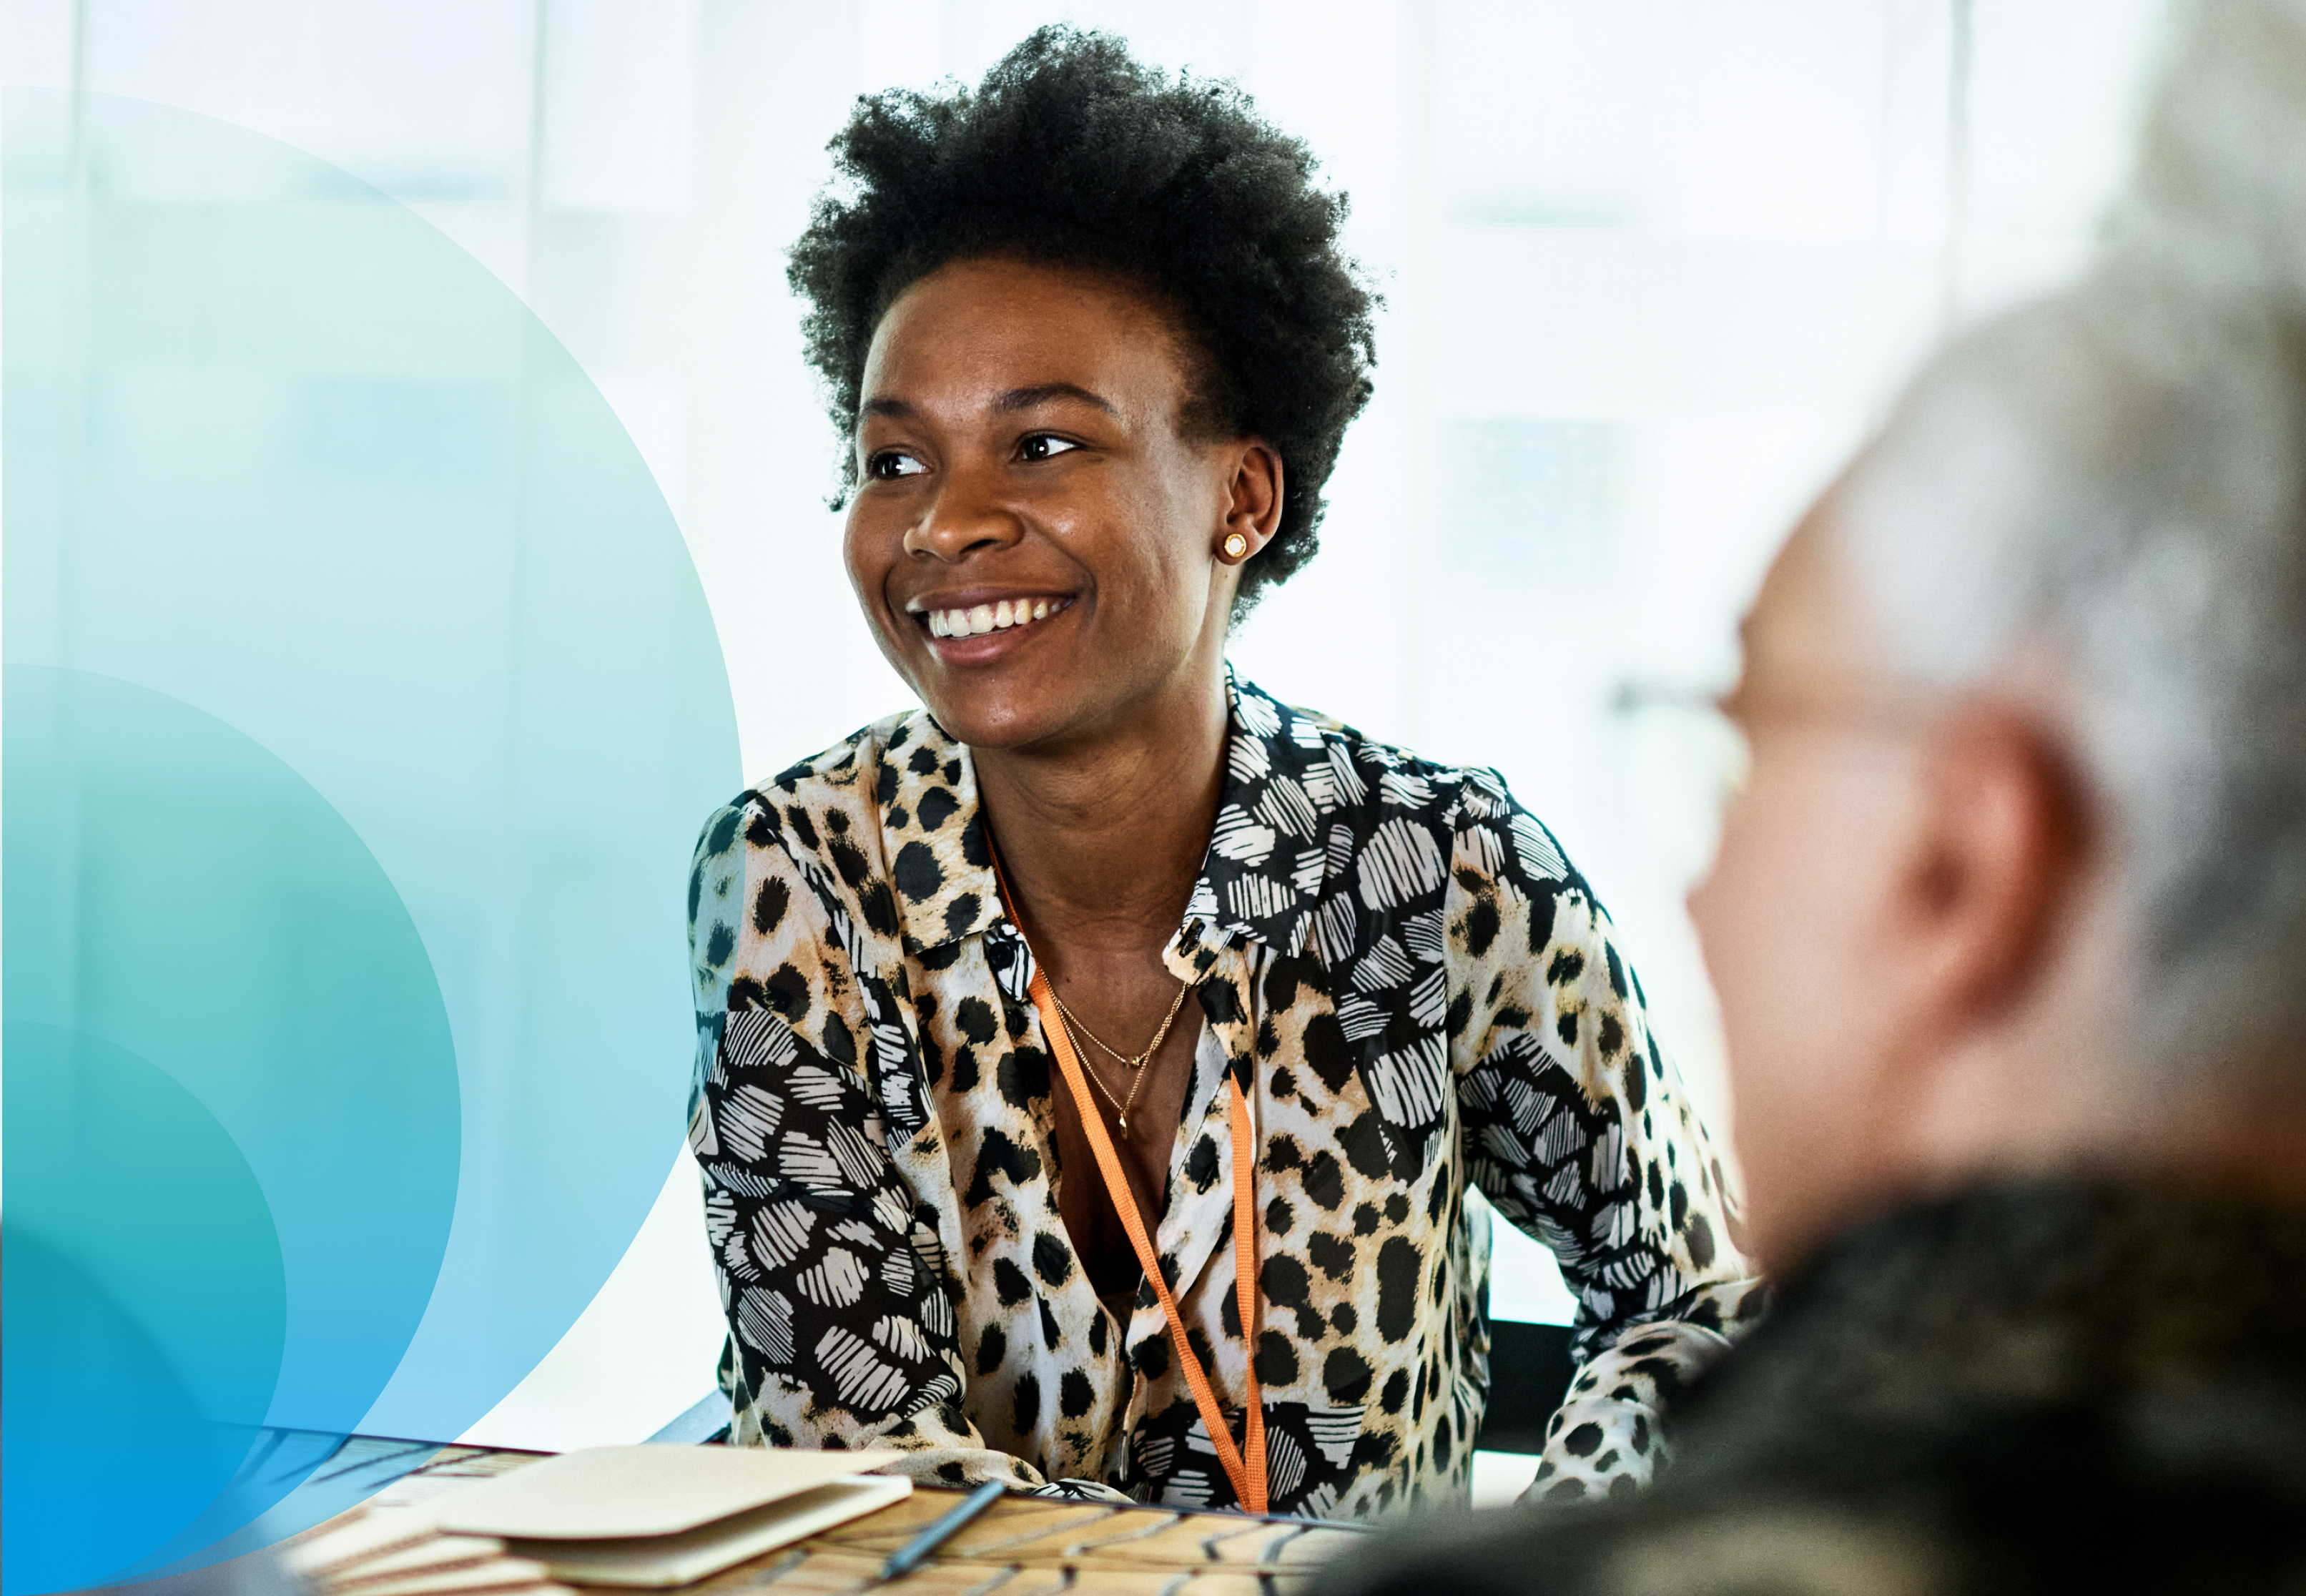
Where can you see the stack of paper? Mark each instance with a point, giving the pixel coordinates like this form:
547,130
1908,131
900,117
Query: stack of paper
658,1516
405,1553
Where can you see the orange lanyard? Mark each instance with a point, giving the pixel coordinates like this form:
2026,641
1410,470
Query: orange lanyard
1248,1475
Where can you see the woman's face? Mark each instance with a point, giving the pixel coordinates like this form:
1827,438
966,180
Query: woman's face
1034,540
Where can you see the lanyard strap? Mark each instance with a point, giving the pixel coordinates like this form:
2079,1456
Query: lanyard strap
1248,1476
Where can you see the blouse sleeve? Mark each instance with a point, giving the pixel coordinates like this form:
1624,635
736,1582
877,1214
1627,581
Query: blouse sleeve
1578,1129
841,1329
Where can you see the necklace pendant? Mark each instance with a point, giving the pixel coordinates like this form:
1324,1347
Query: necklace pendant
1122,1121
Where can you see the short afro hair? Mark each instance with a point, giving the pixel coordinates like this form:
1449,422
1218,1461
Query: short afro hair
1071,153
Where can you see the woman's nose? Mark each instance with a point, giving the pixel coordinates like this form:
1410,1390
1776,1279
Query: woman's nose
964,518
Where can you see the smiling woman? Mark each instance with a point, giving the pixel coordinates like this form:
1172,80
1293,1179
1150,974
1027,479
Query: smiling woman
981,1183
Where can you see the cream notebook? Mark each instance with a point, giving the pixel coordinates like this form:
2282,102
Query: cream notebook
654,1516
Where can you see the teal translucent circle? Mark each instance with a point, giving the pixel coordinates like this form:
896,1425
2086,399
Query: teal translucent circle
140,1257
230,1108
278,455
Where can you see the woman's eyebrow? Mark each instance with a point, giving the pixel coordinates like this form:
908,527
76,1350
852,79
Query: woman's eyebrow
1025,398
1015,398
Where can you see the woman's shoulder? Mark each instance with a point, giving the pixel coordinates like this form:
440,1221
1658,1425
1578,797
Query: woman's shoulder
805,809
815,832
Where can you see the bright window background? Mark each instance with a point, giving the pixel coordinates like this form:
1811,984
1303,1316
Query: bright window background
1651,268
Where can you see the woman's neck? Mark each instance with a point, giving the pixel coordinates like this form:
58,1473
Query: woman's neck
1101,839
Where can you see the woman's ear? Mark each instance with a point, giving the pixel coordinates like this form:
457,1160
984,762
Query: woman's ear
1253,502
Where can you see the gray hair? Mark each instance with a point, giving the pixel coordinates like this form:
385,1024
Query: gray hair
2115,479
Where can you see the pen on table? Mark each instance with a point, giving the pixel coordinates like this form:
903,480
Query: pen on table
916,1551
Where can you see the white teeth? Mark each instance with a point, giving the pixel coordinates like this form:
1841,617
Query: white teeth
989,617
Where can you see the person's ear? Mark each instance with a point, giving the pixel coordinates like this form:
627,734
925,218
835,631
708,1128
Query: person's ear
1252,501
1996,862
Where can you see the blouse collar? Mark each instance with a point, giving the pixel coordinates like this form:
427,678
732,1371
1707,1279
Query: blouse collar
1262,875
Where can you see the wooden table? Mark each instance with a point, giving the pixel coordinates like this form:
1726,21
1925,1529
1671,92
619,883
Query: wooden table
1021,1546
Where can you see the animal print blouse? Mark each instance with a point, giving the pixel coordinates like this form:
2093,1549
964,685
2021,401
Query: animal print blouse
1416,991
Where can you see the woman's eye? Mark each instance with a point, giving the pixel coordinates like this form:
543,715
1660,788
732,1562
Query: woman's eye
1044,446
891,463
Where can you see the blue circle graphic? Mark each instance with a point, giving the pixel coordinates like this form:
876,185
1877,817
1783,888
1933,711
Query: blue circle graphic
141,1254
369,704
226,1054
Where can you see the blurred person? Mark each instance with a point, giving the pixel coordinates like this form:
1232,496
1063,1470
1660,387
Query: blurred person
1103,937
2009,926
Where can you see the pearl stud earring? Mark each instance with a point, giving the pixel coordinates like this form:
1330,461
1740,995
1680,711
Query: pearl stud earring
1236,545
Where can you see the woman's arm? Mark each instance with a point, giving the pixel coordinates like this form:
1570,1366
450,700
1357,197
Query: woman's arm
841,1320
1576,1127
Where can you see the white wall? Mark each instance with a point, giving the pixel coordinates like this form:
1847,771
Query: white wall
1651,267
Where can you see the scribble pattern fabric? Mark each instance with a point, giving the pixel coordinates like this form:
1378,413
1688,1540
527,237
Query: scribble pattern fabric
1416,991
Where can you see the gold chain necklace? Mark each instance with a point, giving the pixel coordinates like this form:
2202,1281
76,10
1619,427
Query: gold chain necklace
1136,1064
1136,1061
1120,1107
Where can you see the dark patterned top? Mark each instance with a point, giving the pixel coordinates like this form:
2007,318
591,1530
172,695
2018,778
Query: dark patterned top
2037,1386
1416,991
